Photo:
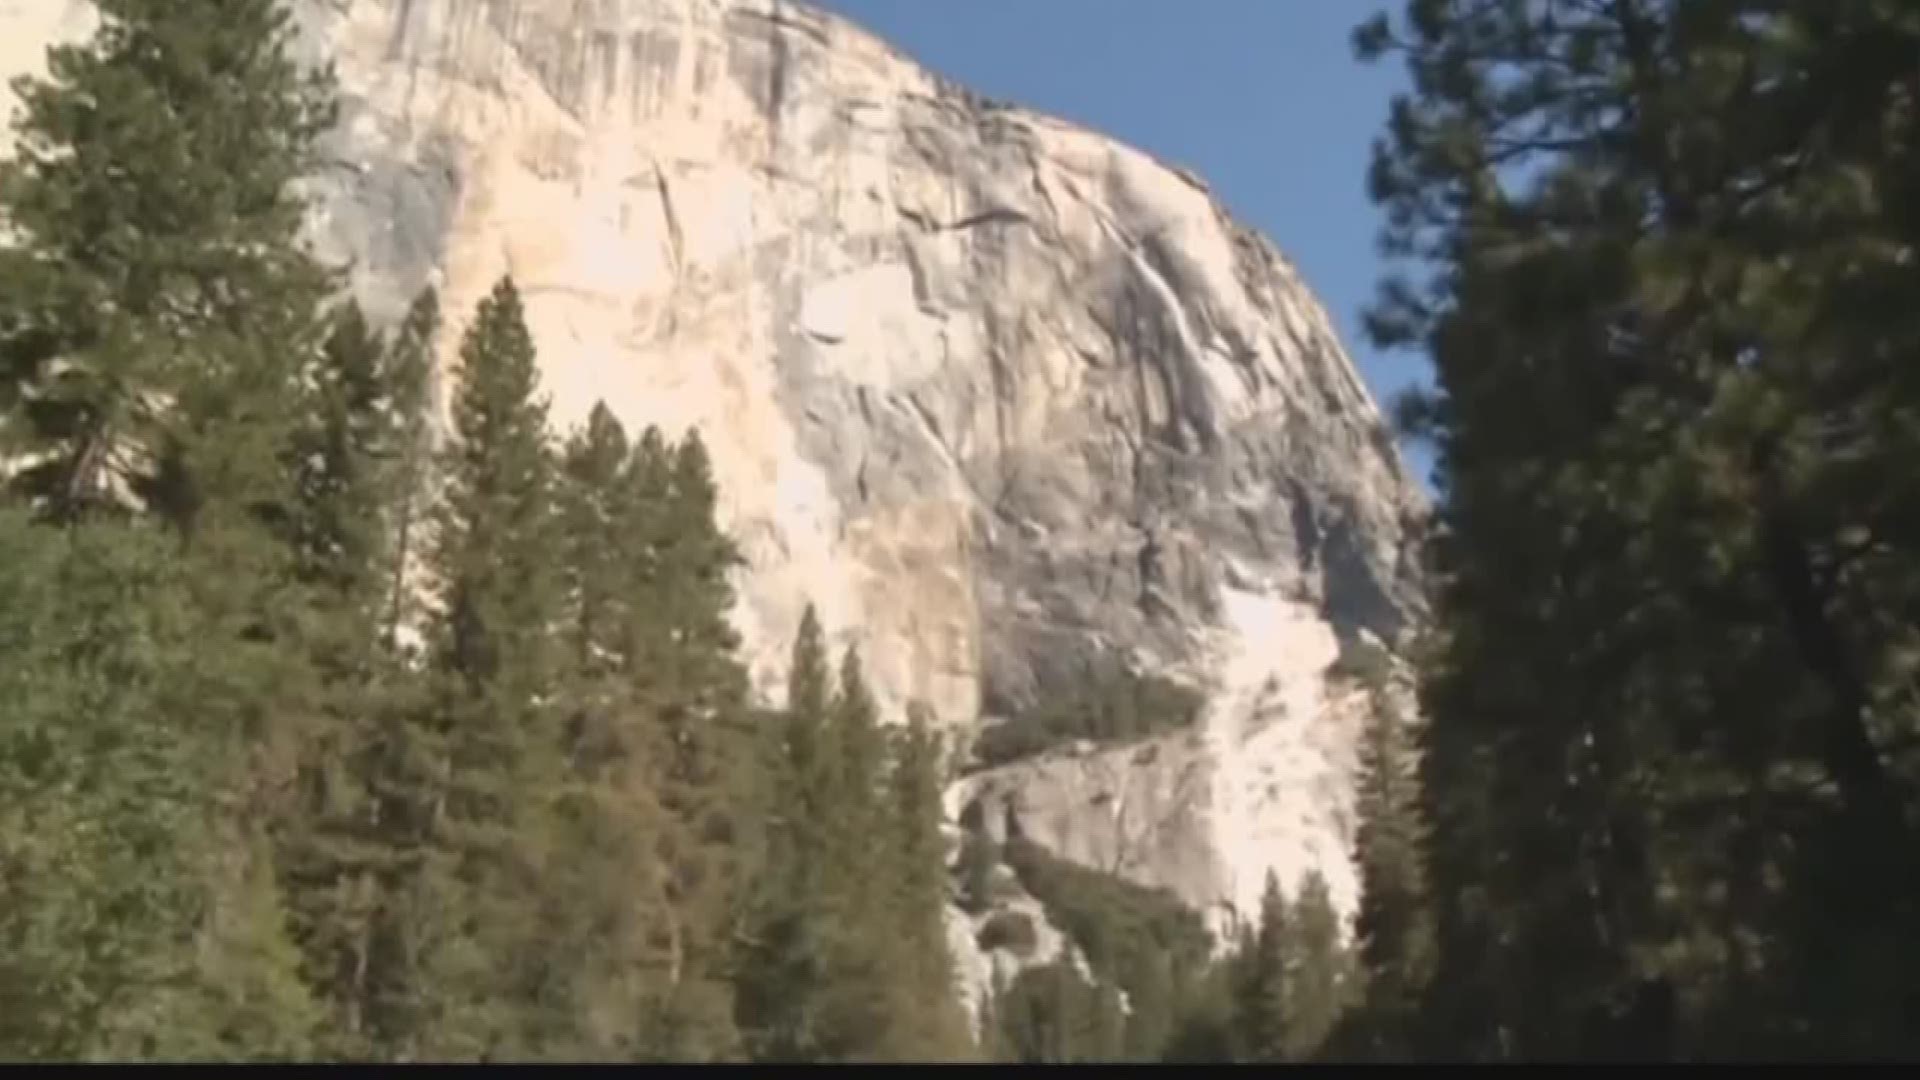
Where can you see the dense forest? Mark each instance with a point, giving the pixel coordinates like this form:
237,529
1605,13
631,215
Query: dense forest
325,735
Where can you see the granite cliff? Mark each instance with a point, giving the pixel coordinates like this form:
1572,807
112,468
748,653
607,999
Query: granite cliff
997,393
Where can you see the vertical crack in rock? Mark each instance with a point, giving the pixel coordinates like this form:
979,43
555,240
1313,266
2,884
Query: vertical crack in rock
676,244
777,77
403,21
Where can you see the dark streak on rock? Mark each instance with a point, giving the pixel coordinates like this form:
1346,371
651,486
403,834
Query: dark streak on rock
998,215
777,73
674,239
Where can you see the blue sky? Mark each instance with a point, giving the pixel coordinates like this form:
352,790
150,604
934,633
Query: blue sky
1261,97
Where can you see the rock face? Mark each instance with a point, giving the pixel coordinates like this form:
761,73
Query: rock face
993,391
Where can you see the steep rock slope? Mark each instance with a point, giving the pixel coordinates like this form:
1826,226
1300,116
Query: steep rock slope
995,392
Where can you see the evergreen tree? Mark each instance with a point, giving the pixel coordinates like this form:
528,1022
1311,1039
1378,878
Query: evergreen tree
995,1043
351,460
979,859
1392,928
930,1024
807,746
847,958
336,518
1318,976
790,958
1262,1009
407,457
159,315
711,769
1204,1018
397,761
858,755
602,591
157,297
161,311
1144,942
855,883
607,928
107,835
1669,696
1052,1015
494,664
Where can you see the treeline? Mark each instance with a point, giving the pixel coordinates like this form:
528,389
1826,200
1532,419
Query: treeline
320,738
1108,702
1145,982
1666,786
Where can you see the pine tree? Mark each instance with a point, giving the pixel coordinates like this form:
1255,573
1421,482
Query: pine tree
351,460
336,516
848,958
1262,1009
390,780
1392,928
1109,1023
103,819
408,393
979,861
1663,240
1053,1015
606,896
157,296
807,746
493,663
167,310
990,1021
1152,1008
1204,1022
857,754
159,314
495,582
602,589
855,887
712,769
930,1023
1318,976
789,960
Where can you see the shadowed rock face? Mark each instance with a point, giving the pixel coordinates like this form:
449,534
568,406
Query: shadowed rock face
995,392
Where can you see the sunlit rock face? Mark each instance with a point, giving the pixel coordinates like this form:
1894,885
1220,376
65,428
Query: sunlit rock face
995,392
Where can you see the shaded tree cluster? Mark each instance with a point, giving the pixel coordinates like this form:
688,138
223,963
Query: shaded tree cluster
1109,703
1661,253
